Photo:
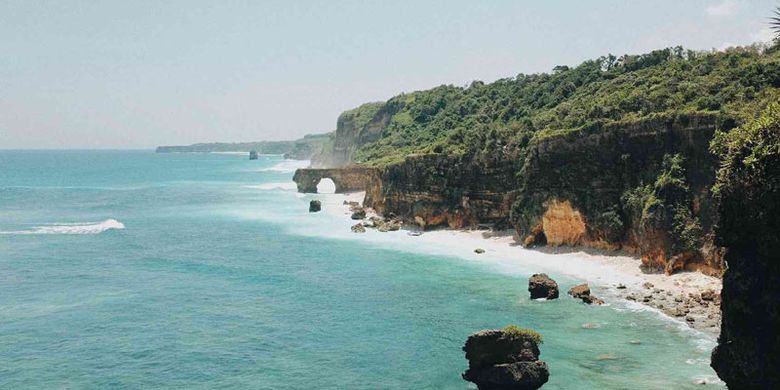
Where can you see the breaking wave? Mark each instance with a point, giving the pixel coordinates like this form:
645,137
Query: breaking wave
72,228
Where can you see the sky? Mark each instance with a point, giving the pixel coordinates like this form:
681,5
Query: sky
137,74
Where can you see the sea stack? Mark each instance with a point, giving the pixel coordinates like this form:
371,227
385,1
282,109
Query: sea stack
253,155
505,359
542,286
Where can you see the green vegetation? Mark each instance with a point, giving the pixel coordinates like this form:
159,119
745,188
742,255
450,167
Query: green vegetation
517,332
667,203
748,183
482,120
302,148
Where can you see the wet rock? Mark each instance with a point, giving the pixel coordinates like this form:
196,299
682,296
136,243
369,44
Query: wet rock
479,251
542,286
579,290
621,286
315,206
358,213
582,291
501,359
358,228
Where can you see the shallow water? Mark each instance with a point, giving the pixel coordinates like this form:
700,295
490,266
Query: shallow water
124,269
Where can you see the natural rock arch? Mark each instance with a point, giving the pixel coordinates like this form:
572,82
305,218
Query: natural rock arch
326,185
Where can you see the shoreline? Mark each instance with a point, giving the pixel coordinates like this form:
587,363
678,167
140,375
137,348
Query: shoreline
689,298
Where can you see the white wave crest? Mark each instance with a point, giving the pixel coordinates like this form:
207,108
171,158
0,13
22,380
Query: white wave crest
73,228
274,186
286,166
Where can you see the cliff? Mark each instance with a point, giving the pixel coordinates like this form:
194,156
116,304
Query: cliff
634,186
611,154
748,351
354,128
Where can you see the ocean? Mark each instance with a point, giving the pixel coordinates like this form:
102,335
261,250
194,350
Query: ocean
130,269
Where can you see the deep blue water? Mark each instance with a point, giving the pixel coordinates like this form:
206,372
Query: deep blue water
221,278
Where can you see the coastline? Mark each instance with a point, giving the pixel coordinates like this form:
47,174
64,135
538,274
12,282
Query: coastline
690,298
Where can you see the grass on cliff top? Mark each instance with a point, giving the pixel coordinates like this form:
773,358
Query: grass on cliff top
517,332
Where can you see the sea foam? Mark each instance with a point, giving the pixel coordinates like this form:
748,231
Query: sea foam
274,186
286,166
72,228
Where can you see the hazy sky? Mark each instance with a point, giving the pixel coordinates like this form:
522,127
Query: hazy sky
136,74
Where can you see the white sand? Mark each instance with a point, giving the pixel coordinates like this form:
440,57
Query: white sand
602,270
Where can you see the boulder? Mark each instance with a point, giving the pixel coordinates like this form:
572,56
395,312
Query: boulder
582,291
479,251
501,359
542,286
358,228
358,212
315,206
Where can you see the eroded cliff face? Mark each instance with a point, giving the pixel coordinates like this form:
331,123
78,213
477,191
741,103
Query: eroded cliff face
438,190
579,189
639,188
354,129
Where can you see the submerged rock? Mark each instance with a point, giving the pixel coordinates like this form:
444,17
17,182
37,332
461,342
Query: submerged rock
315,206
542,286
253,155
505,359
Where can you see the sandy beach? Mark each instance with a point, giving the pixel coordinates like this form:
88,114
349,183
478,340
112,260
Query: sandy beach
688,297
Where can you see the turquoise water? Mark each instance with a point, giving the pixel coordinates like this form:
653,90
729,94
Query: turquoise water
129,269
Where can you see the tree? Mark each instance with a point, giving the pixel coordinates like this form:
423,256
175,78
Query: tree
774,23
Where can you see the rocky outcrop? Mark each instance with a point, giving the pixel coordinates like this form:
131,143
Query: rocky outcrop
315,206
542,286
506,360
349,179
582,291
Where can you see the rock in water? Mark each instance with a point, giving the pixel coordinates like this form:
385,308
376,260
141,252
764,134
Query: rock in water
358,228
358,213
542,286
582,291
479,251
505,359
579,290
253,155
315,206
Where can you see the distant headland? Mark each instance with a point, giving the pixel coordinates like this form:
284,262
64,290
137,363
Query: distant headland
300,149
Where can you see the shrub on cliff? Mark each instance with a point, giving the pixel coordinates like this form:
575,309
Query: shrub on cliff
749,176
516,332
483,120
